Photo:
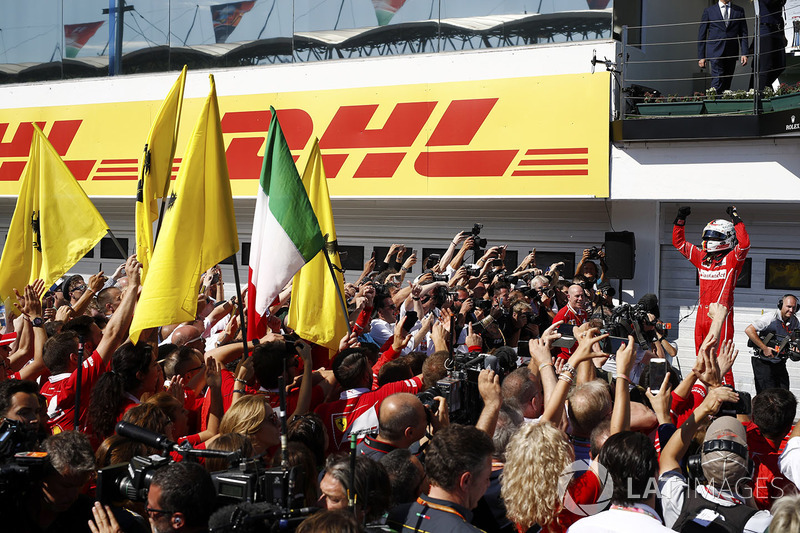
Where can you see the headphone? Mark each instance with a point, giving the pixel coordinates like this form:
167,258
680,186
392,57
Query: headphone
780,302
695,463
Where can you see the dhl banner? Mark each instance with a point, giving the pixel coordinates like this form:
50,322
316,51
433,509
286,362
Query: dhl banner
542,136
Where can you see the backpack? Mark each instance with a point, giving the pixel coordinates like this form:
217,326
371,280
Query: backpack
728,520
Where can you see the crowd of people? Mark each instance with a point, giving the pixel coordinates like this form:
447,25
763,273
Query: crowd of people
474,396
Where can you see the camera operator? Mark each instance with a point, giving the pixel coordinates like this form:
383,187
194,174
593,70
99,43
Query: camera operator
56,501
181,498
371,493
402,421
769,368
19,401
544,298
519,320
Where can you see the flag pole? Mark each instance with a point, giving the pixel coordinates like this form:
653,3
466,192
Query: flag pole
331,268
243,326
117,244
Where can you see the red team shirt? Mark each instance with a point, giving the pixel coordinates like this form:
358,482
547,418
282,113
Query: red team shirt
574,317
356,412
59,391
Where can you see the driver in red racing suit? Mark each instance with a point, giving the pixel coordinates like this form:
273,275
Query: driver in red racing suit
719,264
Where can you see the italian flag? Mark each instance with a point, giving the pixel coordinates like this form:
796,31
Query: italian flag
286,232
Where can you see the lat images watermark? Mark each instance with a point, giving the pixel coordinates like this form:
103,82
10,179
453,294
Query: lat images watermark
575,470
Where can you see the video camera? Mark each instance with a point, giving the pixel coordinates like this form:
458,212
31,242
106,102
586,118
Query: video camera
627,319
460,387
788,347
245,481
20,466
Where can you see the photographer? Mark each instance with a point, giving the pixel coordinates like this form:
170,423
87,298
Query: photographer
588,268
402,421
181,498
769,368
371,493
724,463
56,500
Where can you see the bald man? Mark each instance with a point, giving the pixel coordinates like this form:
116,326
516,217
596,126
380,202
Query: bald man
573,313
188,336
401,423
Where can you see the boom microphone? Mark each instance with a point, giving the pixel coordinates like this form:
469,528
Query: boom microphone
145,436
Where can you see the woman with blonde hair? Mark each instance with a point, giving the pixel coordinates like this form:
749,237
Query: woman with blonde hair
535,459
253,417
786,514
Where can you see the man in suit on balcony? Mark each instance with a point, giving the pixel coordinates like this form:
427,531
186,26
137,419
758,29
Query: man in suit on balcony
772,55
723,31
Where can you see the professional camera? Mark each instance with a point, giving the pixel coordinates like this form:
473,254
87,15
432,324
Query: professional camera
459,388
128,481
262,516
429,402
245,481
594,252
474,232
633,320
504,276
537,296
20,466
743,407
473,271
484,305
606,289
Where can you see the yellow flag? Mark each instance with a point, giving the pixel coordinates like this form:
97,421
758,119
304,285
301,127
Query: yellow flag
155,169
198,231
315,312
54,223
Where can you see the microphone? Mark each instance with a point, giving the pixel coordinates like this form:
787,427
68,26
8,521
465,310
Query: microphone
145,436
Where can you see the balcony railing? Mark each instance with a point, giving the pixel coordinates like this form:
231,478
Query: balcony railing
661,75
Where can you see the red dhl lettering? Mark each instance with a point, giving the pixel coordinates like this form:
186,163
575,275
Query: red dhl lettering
345,136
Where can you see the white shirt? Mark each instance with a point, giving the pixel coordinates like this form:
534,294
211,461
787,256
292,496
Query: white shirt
725,9
789,461
673,486
380,331
621,521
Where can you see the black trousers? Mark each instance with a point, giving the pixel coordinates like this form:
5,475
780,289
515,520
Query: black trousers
722,73
769,375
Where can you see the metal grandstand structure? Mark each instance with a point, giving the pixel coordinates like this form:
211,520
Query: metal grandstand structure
428,36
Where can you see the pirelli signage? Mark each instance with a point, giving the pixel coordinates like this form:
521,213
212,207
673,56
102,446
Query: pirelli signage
542,136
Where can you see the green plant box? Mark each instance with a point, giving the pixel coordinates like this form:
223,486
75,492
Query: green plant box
670,108
729,106
785,101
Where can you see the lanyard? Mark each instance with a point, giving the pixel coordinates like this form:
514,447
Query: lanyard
639,510
438,507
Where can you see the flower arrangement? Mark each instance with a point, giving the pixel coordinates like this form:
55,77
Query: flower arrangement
784,88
